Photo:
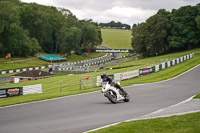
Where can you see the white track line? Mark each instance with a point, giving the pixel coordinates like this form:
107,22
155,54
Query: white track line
140,118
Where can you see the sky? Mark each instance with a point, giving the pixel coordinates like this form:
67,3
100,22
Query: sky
124,11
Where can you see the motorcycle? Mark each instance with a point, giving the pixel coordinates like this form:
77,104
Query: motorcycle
113,94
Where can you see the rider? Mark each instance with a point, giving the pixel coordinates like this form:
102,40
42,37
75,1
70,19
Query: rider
106,78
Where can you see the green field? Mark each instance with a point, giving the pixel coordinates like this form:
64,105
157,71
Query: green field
116,39
51,86
189,123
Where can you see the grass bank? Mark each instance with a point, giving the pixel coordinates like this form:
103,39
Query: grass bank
116,38
51,86
189,123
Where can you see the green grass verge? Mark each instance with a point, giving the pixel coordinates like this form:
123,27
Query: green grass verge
116,38
51,86
189,123
197,96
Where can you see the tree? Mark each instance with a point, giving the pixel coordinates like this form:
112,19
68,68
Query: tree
166,31
184,33
48,25
114,24
90,36
41,23
197,19
26,29
71,41
13,38
2,50
13,1
198,22
158,28
150,38
139,39
68,23
100,36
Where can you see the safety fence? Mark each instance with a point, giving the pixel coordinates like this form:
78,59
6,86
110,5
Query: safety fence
17,91
85,82
145,71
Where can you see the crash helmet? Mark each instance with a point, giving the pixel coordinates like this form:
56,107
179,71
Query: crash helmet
103,75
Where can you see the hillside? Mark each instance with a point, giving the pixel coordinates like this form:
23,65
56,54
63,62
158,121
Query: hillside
116,38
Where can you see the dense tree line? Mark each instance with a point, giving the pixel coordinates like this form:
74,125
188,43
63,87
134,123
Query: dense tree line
26,29
168,31
114,24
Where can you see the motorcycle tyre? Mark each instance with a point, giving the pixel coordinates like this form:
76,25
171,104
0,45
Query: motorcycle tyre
127,98
110,98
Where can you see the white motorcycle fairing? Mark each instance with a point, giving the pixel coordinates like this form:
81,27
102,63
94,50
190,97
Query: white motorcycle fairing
112,93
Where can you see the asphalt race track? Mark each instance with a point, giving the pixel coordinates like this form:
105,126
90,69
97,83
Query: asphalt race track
88,111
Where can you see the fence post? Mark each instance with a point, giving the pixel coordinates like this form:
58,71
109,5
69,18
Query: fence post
94,81
166,64
80,83
60,86
21,90
171,63
153,68
160,67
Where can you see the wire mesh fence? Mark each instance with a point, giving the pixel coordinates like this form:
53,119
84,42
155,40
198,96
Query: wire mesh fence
85,82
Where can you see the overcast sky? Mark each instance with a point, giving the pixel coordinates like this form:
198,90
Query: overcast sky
125,11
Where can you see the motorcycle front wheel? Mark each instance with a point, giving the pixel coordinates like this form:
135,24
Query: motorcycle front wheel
112,97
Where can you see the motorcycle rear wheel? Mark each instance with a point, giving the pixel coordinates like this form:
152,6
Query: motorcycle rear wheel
127,98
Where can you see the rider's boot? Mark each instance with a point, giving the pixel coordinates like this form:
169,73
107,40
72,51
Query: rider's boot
124,92
119,87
